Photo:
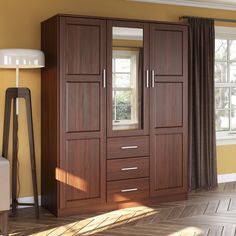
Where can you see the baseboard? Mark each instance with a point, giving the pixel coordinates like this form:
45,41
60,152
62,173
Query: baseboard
28,200
226,178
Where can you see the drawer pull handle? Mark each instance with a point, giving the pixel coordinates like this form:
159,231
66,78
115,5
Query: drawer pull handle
129,147
130,168
129,190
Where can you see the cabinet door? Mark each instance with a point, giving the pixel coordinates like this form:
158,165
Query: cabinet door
83,109
127,68
168,61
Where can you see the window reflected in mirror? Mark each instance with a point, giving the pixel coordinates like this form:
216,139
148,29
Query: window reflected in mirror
127,72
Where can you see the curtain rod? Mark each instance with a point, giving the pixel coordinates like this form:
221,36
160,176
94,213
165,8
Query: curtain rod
215,19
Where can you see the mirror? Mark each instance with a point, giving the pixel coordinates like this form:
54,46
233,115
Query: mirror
127,73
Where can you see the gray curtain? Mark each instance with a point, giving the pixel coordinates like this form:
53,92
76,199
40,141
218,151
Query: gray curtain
202,140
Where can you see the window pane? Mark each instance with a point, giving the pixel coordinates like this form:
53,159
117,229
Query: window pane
122,109
222,120
220,49
123,113
232,69
232,48
122,80
222,98
122,65
233,98
123,98
220,72
233,120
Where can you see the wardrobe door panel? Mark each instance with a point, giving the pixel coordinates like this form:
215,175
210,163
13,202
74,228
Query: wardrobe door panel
83,107
83,111
168,162
83,165
171,113
168,109
82,49
167,51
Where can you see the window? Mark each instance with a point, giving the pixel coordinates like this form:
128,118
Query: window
125,88
225,83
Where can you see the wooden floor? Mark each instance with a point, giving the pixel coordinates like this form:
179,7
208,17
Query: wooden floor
204,213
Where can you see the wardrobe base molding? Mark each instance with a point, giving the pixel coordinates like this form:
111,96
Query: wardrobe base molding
151,202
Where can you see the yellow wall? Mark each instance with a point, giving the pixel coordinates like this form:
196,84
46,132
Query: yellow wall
20,28
226,159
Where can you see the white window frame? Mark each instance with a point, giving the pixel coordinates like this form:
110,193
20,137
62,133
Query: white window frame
227,137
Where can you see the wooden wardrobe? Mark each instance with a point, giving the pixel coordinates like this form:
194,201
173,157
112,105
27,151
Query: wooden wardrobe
114,113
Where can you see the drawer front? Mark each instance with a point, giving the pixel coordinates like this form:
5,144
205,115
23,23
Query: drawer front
127,147
127,168
127,190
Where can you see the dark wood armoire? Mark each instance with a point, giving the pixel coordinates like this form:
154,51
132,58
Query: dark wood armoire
114,113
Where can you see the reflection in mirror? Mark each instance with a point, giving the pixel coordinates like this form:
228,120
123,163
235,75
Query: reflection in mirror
127,71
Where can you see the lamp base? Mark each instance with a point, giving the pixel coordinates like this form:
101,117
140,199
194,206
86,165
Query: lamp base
14,94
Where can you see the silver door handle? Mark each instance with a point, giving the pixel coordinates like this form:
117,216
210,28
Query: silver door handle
153,78
147,79
104,78
129,190
129,168
129,147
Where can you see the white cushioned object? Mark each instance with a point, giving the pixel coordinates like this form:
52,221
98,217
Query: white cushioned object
4,184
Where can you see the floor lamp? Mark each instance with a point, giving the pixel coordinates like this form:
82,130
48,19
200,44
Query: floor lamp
20,59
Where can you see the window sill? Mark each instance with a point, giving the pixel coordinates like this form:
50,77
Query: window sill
226,140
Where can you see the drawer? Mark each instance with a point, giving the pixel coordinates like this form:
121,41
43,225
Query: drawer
127,168
127,147
127,190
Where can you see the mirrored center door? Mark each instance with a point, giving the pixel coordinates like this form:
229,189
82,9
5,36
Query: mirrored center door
128,78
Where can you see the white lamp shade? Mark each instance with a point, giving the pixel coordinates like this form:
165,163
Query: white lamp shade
21,58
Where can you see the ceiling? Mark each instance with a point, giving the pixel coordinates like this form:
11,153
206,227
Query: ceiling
215,4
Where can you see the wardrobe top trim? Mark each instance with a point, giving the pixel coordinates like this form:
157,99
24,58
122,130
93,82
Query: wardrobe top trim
119,19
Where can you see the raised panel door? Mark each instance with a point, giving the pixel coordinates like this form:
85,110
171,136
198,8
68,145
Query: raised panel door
83,111
168,109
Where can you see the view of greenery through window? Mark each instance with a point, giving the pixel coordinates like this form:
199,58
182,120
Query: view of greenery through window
225,85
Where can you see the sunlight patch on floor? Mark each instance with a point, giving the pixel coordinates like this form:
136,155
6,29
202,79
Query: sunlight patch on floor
101,222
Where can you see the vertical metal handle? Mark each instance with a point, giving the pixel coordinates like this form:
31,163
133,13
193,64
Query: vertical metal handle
147,79
153,78
104,78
